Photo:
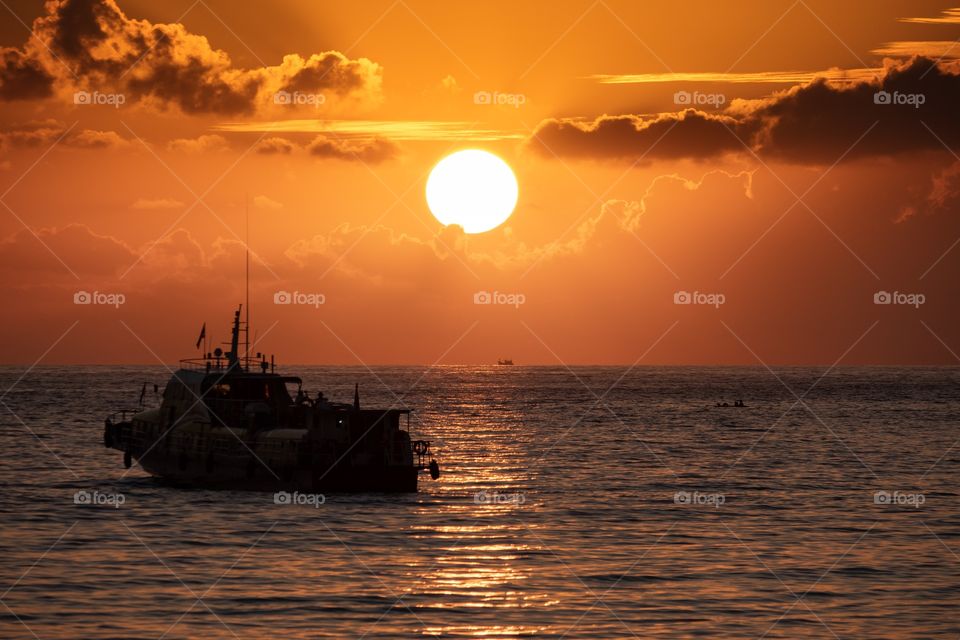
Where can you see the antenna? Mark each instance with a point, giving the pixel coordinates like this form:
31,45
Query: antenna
246,355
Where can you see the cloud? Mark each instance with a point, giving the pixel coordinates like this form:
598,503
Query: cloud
146,204
263,202
31,134
373,151
275,145
686,134
812,123
947,16
361,250
449,84
754,77
396,130
94,45
619,260
77,246
94,139
64,254
616,220
942,193
356,149
176,254
43,133
325,72
358,252
909,48
23,77
201,144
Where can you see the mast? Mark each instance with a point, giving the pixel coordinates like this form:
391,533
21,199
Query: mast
247,244
233,357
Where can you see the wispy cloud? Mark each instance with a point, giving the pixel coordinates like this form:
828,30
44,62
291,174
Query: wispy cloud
758,77
264,202
151,204
396,130
948,16
939,49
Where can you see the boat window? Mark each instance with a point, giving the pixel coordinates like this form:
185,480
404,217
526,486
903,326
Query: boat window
291,388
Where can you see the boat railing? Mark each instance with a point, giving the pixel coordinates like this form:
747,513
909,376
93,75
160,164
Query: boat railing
122,414
217,365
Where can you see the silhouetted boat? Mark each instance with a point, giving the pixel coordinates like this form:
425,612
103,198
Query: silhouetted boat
506,361
221,424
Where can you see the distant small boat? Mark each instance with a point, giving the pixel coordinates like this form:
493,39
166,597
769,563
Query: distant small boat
507,362
738,404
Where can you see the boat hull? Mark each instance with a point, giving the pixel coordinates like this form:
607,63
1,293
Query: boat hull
252,475
197,456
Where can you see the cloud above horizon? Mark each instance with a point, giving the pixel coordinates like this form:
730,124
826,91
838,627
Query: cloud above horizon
947,16
92,45
38,133
812,123
371,151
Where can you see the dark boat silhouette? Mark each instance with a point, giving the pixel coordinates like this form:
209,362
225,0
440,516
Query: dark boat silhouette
223,424
505,361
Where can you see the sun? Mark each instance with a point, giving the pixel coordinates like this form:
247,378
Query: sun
472,188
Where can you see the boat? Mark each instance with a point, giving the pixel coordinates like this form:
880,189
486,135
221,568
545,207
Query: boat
223,423
505,361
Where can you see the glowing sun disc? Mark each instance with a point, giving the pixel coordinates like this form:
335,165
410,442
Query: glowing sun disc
472,188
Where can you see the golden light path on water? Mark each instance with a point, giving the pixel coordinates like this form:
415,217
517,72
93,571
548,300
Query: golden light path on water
481,566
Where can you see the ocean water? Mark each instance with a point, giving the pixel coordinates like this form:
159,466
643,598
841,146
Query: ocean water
593,502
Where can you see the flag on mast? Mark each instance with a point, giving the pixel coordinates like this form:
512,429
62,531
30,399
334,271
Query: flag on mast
203,334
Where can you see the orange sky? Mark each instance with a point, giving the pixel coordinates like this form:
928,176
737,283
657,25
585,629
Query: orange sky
782,185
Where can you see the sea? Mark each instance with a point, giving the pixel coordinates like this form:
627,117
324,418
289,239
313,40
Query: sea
580,502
